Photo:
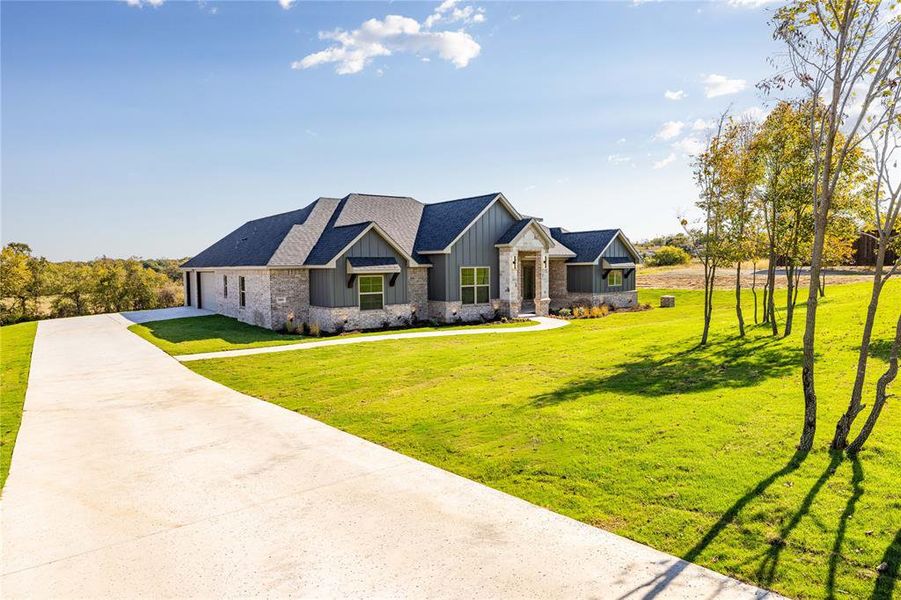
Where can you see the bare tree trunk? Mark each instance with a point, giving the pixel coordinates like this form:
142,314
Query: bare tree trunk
881,395
789,299
823,285
843,426
771,300
810,325
709,276
754,289
738,312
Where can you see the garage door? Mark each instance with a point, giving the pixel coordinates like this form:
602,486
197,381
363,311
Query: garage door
207,292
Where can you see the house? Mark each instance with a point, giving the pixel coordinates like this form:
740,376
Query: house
366,261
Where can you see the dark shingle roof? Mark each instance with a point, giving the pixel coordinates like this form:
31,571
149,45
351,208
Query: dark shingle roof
253,243
375,261
443,221
587,245
619,260
513,231
334,239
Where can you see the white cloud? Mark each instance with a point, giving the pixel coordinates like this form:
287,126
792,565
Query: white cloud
448,12
670,130
140,3
751,3
621,141
700,125
354,50
618,159
674,95
662,163
689,145
720,85
286,4
529,188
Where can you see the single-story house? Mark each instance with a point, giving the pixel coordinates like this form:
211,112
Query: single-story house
366,261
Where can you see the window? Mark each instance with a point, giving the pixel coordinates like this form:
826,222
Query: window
474,285
225,286
615,279
372,292
242,293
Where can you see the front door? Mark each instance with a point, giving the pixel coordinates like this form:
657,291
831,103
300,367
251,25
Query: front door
528,284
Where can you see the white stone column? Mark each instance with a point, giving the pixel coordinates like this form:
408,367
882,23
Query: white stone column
508,279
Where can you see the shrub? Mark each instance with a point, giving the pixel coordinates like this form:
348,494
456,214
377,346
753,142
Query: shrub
315,329
565,313
668,255
580,312
597,312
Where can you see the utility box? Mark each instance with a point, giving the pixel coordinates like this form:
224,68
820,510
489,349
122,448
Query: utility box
667,301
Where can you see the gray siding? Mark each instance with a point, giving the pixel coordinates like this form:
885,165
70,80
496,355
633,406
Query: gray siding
328,287
616,249
579,278
474,249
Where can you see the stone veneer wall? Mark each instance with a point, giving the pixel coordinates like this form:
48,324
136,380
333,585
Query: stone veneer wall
615,299
349,318
557,285
290,296
451,312
258,309
418,290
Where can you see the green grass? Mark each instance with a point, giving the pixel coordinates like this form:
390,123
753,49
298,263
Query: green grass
624,423
215,333
16,342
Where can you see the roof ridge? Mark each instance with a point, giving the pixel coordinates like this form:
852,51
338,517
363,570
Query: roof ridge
382,196
493,194
288,212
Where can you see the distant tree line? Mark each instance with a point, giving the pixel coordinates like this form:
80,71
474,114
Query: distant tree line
31,287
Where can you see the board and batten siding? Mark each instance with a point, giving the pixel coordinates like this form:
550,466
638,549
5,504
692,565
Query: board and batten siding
474,249
579,279
616,249
328,287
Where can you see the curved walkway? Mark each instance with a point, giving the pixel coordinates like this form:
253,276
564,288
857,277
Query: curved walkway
134,477
544,323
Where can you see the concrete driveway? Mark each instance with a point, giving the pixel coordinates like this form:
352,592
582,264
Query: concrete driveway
134,477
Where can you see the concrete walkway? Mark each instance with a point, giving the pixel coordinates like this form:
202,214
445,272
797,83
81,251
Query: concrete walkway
544,323
134,477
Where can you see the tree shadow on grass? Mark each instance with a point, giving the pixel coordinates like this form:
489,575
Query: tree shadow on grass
888,576
733,364
766,573
856,493
659,583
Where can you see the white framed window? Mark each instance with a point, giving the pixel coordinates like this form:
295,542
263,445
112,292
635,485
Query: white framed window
372,292
242,292
615,279
474,285
225,286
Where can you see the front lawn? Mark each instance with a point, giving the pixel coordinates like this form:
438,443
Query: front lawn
624,423
16,342
214,333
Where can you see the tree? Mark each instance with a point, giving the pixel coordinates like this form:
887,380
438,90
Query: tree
741,175
841,52
709,240
15,274
881,394
886,206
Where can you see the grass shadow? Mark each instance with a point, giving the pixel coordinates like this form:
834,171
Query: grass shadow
766,573
733,364
212,327
856,493
659,583
888,575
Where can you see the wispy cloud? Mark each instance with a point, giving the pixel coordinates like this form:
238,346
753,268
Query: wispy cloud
286,4
674,95
720,85
666,161
755,113
618,159
700,125
689,145
141,3
354,50
751,3
669,130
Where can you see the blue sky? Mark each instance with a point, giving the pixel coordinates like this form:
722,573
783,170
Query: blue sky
153,130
